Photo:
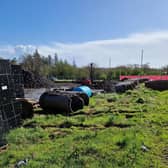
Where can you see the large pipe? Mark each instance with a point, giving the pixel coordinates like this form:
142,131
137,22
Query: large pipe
124,86
60,103
84,89
159,85
83,95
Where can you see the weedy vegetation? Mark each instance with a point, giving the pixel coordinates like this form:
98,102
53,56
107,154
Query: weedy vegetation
127,130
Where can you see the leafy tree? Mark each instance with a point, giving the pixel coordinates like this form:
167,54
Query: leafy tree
62,69
55,58
13,61
49,60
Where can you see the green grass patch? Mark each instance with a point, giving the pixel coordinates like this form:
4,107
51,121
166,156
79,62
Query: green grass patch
127,130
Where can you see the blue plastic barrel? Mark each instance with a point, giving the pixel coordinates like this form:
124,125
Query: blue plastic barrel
84,89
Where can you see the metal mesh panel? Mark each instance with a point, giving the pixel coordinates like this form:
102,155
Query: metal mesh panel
10,86
7,88
10,114
5,67
18,80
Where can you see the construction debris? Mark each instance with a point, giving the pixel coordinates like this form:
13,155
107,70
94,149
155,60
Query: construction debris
21,163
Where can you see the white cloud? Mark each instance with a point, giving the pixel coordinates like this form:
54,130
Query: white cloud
122,51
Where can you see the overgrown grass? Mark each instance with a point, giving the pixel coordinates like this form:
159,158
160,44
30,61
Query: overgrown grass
119,131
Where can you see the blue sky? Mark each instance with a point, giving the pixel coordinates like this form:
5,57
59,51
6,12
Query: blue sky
66,26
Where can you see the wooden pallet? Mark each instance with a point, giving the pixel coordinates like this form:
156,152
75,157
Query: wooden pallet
3,148
34,103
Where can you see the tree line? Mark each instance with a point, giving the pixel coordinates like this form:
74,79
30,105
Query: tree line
53,67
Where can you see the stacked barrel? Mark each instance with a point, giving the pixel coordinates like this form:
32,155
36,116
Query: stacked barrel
10,110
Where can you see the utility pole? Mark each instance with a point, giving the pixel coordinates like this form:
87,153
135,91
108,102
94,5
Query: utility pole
91,72
142,55
110,62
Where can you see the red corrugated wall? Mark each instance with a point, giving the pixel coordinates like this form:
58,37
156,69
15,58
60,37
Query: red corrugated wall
150,77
